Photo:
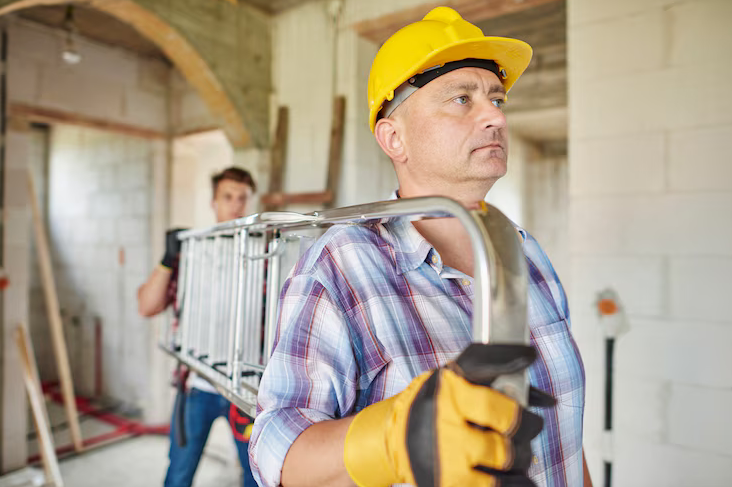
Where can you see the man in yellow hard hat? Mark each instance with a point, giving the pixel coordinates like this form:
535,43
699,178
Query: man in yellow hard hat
366,383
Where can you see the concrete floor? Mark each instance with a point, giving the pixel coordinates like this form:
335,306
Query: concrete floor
142,461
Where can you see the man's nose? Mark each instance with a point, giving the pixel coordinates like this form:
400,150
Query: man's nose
490,116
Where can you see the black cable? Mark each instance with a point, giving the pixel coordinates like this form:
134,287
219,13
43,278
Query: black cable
609,359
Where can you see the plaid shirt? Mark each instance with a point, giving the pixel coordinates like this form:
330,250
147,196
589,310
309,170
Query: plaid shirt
368,308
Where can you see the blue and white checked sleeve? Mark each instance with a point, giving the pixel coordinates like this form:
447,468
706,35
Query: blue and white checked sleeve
310,376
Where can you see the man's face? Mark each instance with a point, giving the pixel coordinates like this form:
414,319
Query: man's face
230,200
455,131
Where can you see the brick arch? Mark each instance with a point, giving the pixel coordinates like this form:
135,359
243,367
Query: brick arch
175,46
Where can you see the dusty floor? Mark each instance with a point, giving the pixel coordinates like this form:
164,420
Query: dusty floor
142,461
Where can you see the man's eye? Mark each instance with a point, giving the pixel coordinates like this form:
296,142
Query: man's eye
499,102
462,100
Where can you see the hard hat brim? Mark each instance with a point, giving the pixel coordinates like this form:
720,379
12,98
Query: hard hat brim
512,55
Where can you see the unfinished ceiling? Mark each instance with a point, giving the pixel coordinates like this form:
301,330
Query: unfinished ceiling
275,6
95,25
544,84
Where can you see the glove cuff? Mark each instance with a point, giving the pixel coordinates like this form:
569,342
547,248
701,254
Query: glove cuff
365,454
167,261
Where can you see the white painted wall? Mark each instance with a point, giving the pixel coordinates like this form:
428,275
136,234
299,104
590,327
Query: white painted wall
651,216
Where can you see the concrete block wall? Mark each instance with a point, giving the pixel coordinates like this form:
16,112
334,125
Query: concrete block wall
189,112
109,83
100,234
38,163
195,159
650,215
16,246
546,202
509,194
117,199
303,64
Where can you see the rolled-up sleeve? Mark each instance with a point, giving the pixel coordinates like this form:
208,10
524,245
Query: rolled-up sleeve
309,378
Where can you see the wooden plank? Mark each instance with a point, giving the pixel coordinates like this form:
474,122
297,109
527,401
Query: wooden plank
379,29
38,407
278,156
277,200
196,131
49,115
336,148
54,319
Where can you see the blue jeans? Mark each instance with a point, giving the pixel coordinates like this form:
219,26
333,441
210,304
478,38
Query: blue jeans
202,408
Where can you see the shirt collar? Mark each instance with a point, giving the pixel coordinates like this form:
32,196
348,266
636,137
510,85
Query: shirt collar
411,249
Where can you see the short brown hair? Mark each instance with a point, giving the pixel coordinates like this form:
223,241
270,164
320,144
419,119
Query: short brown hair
235,174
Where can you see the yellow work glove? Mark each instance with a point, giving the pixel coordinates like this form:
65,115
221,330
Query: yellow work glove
449,428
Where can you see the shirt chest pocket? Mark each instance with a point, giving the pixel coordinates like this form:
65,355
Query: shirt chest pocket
558,369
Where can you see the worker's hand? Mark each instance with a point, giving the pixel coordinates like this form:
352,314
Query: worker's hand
172,247
444,430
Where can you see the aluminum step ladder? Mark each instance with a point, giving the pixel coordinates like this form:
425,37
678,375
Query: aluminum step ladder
231,274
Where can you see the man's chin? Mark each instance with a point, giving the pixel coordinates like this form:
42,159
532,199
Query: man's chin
492,168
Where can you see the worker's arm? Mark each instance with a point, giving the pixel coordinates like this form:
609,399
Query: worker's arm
441,430
152,297
298,434
316,457
588,480
300,437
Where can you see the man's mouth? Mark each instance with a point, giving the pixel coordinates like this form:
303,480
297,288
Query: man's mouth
492,145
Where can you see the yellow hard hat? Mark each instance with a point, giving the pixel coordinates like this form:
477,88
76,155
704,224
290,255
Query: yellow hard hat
441,37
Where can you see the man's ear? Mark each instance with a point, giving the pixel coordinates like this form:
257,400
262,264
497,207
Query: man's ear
389,136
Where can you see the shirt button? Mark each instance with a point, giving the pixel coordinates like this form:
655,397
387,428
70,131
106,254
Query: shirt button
536,460
465,282
434,259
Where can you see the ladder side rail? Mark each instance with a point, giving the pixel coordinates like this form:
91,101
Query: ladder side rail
214,290
203,286
240,312
272,296
233,297
223,305
187,311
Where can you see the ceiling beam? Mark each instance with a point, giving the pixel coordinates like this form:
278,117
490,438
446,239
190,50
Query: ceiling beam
379,29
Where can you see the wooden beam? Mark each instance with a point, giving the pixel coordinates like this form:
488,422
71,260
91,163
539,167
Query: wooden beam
336,148
54,319
38,407
49,115
196,131
278,155
277,200
381,28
